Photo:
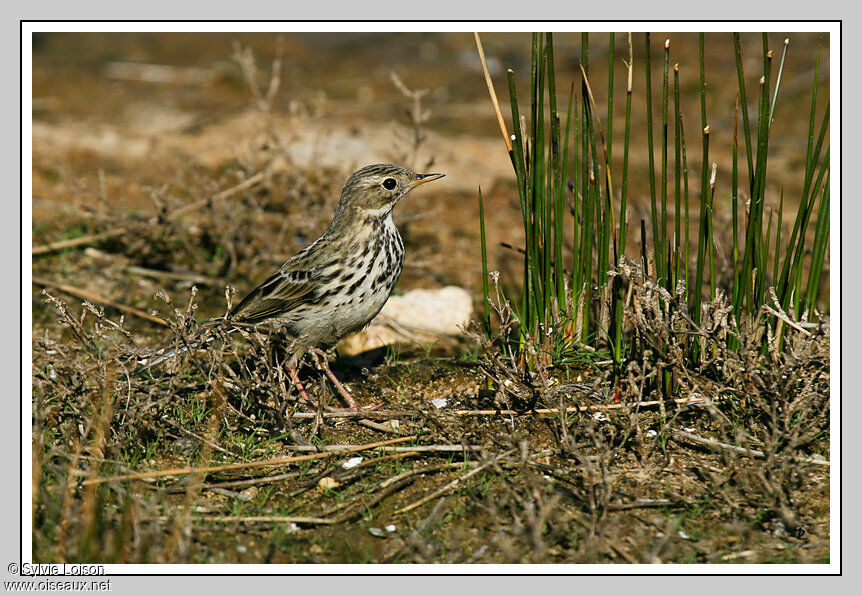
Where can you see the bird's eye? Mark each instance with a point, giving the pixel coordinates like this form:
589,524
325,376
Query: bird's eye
389,183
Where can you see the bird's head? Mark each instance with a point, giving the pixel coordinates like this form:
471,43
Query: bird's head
376,189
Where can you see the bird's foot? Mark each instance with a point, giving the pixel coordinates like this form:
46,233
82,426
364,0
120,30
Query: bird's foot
294,376
352,405
322,363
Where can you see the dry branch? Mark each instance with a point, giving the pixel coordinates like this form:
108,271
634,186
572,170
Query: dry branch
596,408
336,449
424,470
82,240
248,519
493,93
719,446
453,484
640,503
192,277
245,184
533,412
276,461
99,299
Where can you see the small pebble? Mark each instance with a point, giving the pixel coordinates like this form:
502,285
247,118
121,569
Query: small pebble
327,482
351,463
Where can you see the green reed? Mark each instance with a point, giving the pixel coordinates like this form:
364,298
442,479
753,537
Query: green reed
564,180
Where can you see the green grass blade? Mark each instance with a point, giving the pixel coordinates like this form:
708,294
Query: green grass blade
710,235
734,203
626,142
778,239
519,160
677,177
540,180
765,250
812,155
560,200
746,128
686,195
799,254
809,163
759,200
806,204
656,236
610,112
577,199
778,81
486,302
703,241
662,244
818,255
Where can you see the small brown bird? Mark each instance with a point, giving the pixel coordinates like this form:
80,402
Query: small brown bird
337,284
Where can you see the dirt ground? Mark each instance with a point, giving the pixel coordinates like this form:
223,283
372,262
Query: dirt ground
134,138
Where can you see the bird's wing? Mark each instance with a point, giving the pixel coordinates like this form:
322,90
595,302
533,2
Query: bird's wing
278,295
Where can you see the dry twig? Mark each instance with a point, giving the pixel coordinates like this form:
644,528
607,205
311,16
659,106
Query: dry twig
248,519
441,491
276,461
80,241
719,446
93,297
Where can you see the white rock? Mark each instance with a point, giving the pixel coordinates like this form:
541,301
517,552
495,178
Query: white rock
420,315
351,463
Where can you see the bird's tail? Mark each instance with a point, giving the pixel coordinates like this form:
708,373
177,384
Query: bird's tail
205,336
163,354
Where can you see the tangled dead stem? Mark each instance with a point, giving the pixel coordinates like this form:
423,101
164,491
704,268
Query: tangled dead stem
549,466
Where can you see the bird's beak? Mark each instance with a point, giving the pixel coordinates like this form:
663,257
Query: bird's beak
423,178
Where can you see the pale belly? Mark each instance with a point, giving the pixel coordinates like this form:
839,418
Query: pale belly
350,311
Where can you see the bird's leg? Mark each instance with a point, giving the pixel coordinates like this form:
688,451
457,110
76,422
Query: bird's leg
294,376
341,388
318,410
322,363
292,365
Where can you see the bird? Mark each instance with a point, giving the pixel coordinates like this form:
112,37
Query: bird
337,284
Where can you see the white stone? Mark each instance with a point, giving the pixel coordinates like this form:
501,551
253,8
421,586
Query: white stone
418,316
